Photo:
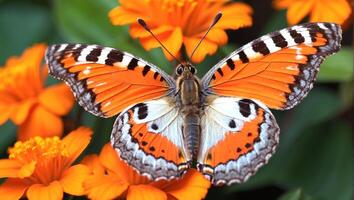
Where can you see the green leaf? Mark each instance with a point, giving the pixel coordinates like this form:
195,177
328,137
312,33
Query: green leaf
276,22
338,67
7,137
295,195
22,24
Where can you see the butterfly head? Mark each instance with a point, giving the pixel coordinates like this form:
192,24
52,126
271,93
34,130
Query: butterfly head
186,70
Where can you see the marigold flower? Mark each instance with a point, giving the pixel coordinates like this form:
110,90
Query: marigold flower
177,22
41,167
337,11
25,100
112,178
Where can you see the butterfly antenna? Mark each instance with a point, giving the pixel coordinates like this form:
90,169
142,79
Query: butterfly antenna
145,26
216,19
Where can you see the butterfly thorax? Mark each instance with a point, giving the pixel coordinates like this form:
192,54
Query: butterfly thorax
190,106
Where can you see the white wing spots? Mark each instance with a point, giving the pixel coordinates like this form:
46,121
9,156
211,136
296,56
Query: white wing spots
289,39
101,84
306,34
142,64
107,104
126,60
85,52
86,71
77,46
299,57
151,110
250,53
292,67
322,26
298,49
103,56
270,44
62,47
235,57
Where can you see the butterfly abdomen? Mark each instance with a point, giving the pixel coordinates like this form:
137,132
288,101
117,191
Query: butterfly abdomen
191,133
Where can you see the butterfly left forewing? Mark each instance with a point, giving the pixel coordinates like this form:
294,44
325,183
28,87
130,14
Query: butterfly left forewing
239,136
278,69
105,80
148,136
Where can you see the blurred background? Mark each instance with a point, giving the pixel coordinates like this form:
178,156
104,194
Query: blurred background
315,157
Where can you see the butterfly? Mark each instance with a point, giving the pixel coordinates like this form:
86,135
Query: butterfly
221,124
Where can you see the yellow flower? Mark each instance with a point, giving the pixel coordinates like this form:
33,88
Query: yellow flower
112,178
25,100
337,11
41,167
177,22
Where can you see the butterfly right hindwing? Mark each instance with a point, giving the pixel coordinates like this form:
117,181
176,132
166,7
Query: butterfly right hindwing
239,136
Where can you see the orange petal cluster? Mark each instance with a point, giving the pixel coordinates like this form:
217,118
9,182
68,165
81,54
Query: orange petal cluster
41,168
337,11
182,22
112,178
25,100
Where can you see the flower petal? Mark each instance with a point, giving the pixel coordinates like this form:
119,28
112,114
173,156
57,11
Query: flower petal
110,159
94,164
12,189
40,122
58,99
136,31
235,15
331,11
6,106
298,10
76,142
206,47
9,168
218,36
171,39
122,16
22,110
104,187
145,192
72,179
192,185
5,113
53,191
282,4
27,169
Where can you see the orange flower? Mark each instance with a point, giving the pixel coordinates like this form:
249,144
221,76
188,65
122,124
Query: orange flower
41,167
337,11
112,178
177,22
25,101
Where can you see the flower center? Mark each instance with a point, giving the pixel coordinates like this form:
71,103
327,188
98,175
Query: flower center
38,148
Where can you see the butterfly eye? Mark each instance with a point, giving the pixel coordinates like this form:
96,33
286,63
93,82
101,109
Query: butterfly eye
192,69
179,70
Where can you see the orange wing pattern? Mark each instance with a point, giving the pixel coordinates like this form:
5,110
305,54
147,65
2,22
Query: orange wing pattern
105,80
279,68
239,136
148,136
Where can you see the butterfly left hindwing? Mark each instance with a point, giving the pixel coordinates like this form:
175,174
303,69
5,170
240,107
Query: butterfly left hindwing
149,137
